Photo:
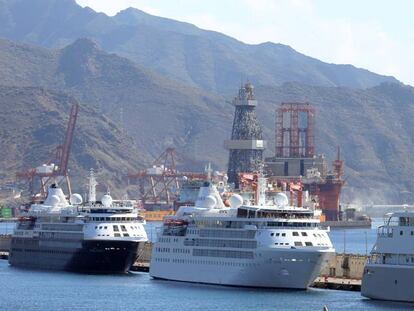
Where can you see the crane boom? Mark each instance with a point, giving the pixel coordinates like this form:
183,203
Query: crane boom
64,159
60,161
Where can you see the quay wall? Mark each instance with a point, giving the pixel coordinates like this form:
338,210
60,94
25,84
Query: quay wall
348,266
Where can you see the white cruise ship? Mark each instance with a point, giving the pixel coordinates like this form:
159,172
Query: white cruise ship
389,272
95,237
255,245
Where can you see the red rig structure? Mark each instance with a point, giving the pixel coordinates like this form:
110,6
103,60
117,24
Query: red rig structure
295,159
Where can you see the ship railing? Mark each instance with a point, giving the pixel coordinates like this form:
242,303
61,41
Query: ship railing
374,259
385,232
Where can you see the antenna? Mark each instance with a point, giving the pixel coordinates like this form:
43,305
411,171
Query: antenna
208,170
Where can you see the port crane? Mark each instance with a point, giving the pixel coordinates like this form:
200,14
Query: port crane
56,168
160,183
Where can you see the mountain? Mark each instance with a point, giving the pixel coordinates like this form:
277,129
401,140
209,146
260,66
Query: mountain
33,122
159,103
181,51
156,112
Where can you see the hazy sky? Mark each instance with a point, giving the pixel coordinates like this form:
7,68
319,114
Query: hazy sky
376,35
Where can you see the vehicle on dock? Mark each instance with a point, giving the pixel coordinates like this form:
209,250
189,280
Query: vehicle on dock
94,237
389,272
254,244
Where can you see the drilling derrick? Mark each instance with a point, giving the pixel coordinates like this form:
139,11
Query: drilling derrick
295,159
246,144
294,130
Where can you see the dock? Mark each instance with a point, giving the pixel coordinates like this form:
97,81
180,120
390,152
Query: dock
337,283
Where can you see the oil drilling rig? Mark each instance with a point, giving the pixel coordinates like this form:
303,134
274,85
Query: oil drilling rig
246,144
56,168
295,159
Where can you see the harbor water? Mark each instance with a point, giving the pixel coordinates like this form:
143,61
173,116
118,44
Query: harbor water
42,290
38,290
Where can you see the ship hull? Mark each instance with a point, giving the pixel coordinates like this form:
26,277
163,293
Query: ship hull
388,282
290,269
93,256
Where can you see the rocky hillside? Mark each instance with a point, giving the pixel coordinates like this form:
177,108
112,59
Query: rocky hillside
154,111
178,50
33,122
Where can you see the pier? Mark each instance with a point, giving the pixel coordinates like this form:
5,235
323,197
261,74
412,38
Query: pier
337,283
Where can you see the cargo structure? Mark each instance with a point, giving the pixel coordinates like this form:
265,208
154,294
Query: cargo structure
295,159
246,144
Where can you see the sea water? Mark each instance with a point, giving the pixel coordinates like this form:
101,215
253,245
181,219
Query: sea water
26,290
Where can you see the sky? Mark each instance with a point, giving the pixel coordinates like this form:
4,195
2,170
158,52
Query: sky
376,35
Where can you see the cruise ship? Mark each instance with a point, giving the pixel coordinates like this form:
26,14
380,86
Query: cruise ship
389,272
257,244
94,237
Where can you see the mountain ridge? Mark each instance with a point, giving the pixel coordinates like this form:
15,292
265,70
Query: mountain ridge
181,51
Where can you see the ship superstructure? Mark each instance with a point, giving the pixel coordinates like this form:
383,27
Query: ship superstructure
255,244
389,272
94,237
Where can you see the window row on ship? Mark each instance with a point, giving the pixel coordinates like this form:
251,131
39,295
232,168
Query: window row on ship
174,250
209,262
63,236
117,231
218,253
259,224
112,219
62,227
221,243
393,259
41,251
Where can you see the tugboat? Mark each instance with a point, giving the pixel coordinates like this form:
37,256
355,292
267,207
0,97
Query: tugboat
103,236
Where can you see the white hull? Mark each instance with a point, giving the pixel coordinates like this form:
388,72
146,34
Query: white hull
275,268
388,282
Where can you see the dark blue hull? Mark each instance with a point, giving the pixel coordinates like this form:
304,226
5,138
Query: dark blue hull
92,256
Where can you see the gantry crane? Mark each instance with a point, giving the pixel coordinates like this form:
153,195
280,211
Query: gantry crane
56,169
160,183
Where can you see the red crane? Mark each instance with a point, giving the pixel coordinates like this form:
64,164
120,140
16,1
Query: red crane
57,167
156,182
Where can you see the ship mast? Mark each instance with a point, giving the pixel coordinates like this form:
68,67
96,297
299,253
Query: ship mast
92,187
